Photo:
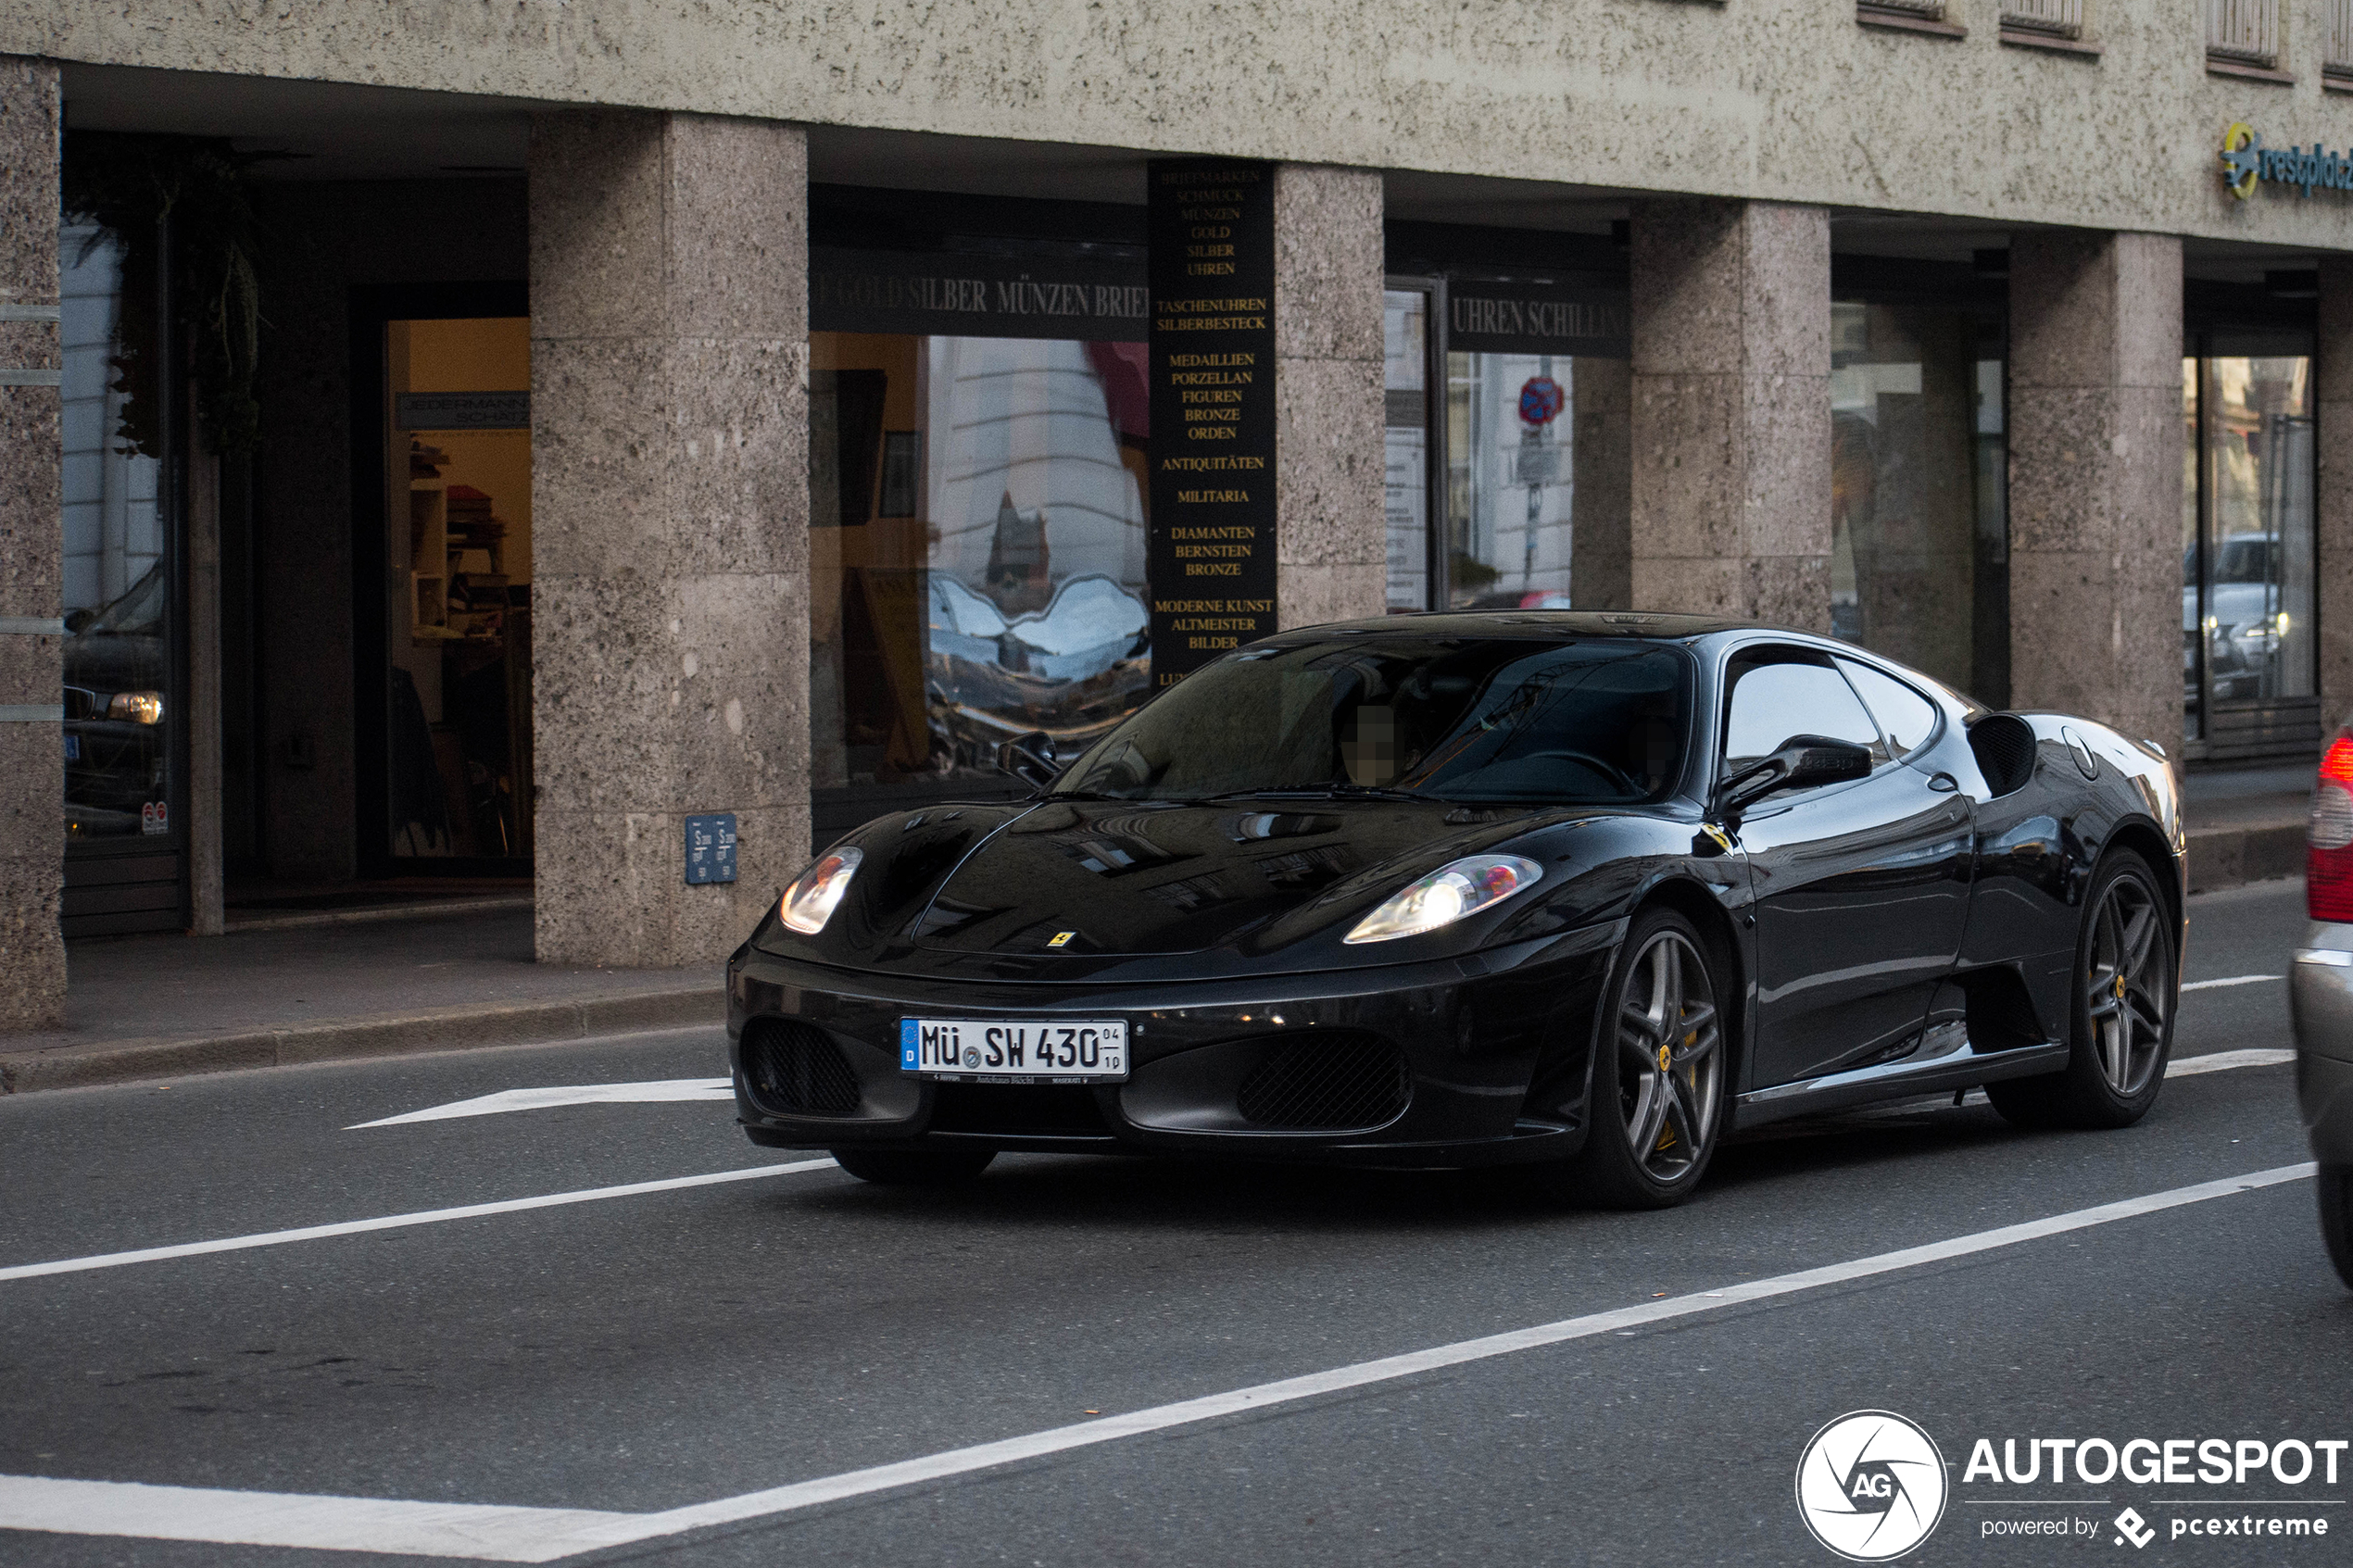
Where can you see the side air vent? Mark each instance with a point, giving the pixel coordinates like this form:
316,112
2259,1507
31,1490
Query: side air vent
1327,1082
793,1070
2004,744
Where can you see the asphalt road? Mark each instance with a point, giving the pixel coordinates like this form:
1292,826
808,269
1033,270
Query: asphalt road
636,1354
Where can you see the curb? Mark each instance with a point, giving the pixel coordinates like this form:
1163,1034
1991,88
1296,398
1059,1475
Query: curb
350,1039
2221,857
370,914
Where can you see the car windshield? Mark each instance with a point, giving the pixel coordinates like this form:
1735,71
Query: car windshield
1456,719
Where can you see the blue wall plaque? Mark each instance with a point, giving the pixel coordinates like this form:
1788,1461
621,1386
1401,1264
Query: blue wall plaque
710,849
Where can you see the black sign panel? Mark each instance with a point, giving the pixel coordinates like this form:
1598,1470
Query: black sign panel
1210,552
946,294
1537,317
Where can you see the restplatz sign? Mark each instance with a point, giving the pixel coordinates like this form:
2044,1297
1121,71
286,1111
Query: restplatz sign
2247,161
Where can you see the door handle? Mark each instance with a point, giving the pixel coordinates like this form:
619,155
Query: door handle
1943,784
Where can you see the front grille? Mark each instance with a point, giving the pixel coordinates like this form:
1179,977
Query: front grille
1328,1082
793,1070
1034,1110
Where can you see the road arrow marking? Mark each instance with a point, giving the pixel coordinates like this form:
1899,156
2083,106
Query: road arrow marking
570,1094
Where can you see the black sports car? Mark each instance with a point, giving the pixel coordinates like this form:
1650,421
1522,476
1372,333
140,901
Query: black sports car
1578,892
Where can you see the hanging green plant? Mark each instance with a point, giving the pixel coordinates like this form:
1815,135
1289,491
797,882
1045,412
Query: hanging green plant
128,185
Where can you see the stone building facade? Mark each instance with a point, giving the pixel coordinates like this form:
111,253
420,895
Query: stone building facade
707,424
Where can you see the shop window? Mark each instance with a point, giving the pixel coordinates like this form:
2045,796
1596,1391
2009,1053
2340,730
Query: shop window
1919,534
977,551
121,707
1535,443
2248,631
1405,445
458,592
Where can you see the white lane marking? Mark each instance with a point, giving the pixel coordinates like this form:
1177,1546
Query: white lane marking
199,1513
573,1094
397,1222
535,1537
2217,1062
2232,980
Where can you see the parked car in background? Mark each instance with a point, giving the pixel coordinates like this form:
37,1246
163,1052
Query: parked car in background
2321,996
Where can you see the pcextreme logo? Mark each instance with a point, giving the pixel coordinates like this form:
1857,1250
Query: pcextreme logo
1871,1486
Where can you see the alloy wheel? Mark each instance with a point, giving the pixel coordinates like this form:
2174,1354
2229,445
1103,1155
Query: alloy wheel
2128,984
1672,1057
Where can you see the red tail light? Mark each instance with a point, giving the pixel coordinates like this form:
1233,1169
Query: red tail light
2328,854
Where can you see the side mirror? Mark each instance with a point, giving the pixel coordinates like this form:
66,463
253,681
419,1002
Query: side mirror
1031,758
1802,762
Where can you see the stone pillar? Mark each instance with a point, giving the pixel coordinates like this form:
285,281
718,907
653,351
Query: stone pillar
2096,478
1330,532
2332,523
1601,543
670,500
1731,419
32,954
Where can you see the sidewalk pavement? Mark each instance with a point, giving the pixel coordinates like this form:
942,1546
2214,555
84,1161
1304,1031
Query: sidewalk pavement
321,977
156,1006
2246,824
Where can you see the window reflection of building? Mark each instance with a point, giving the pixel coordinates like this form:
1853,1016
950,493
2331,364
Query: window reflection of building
119,717
1538,480
2247,594
1009,595
1919,538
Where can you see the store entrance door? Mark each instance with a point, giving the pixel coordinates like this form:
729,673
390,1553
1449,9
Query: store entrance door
446,791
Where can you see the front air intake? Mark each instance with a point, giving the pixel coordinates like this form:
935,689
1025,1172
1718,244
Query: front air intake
1327,1082
791,1069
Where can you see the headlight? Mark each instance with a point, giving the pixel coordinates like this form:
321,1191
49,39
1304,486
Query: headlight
1447,895
140,708
809,903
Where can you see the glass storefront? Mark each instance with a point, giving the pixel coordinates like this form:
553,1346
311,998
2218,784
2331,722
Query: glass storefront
1919,534
457,591
120,709
2247,624
1530,439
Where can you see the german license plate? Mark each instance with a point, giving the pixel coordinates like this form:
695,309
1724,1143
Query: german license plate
1072,1051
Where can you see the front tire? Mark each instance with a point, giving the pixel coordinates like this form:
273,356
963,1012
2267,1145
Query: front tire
1656,1107
914,1167
2127,986
2336,1218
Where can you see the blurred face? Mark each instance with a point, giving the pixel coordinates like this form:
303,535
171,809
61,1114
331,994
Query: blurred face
1368,748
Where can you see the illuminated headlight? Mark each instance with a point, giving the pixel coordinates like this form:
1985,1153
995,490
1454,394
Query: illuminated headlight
809,903
140,708
1447,895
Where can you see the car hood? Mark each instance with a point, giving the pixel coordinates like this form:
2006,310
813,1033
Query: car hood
1083,890
1131,878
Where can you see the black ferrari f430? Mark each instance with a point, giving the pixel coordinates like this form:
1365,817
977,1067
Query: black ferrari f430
1578,893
